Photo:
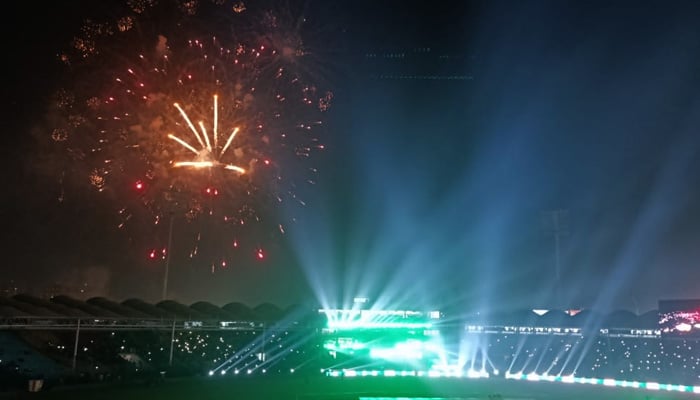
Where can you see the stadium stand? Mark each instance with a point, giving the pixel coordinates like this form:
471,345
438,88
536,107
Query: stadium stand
66,340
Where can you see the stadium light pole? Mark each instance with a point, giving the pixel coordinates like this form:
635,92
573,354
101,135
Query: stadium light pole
75,345
263,343
172,344
556,222
167,256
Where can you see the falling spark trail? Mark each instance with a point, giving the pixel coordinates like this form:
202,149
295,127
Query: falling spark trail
207,150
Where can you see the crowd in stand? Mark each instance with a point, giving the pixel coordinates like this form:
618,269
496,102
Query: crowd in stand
670,360
280,343
125,356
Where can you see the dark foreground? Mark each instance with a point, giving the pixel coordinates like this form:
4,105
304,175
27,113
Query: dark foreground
320,388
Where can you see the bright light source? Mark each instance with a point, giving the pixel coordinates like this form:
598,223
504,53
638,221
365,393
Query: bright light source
348,325
408,350
532,377
360,300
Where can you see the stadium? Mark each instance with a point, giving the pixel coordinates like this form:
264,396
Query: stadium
137,349
351,200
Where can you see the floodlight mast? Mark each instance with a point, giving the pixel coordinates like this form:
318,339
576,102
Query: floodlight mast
164,296
556,223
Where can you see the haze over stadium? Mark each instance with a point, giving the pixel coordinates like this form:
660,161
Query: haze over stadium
445,146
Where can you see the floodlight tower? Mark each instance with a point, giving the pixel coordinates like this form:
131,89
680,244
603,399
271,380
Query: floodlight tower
164,296
556,223
176,199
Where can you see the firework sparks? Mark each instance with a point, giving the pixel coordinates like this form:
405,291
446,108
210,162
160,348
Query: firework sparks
220,167
207,157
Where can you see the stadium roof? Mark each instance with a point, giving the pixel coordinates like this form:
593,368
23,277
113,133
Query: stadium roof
23,305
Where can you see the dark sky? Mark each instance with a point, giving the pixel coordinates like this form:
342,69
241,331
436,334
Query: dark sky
442,161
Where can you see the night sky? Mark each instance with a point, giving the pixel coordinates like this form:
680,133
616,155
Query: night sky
455,131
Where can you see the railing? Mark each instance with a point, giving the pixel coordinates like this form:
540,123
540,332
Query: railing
93,323
564,331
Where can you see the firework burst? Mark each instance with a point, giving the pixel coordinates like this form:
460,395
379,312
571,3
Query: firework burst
173,114
208,156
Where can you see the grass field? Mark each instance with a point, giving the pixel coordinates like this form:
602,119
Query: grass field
320,388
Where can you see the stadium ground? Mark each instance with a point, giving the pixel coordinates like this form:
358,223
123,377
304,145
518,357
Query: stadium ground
322,388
